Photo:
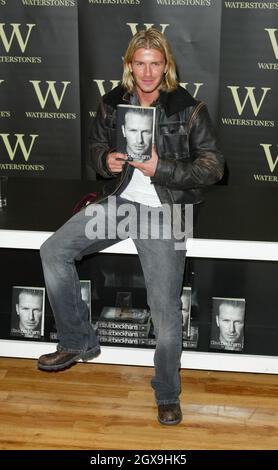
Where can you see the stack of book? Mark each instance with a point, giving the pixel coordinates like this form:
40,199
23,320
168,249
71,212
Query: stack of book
126,326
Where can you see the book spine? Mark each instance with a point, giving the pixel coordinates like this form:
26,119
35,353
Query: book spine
125,333
189,344
127,341
123,325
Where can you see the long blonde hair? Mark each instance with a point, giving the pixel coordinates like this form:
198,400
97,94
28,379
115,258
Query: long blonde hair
150,39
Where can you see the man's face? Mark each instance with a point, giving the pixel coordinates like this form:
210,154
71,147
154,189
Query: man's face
148,67
230,321
138,133
29,310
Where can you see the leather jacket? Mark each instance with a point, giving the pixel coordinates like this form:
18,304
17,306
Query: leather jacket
188,158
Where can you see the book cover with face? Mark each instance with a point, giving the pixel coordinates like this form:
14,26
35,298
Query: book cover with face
227,326
135,131
28,312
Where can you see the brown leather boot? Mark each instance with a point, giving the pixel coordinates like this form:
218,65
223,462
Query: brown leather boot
169,414
61,359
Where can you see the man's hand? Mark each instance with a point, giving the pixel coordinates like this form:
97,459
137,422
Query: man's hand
148,168
115,161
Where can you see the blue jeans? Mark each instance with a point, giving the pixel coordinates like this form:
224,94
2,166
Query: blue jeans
163,269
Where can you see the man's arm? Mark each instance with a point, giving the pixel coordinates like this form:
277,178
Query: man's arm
206,165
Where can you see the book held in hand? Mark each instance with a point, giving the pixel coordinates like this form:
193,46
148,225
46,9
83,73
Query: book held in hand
135,131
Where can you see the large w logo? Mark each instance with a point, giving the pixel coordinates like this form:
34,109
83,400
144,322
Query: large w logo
273,39
51,89
16,33
19,144
270,160
249,96
197,87
102,83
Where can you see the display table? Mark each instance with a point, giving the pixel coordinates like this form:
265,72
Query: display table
37,208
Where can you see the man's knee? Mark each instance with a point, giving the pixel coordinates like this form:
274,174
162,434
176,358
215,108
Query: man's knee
48,249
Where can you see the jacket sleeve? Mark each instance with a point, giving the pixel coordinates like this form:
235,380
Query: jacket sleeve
205,165
99,144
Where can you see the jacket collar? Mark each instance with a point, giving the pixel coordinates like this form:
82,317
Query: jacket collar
172,102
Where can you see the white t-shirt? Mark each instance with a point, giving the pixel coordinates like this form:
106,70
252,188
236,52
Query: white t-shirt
140,189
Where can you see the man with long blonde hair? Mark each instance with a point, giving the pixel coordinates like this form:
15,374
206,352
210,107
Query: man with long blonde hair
184,160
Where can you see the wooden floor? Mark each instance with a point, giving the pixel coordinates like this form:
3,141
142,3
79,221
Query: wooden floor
93,406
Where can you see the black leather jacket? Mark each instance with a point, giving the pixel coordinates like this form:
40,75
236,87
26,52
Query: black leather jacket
185,142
